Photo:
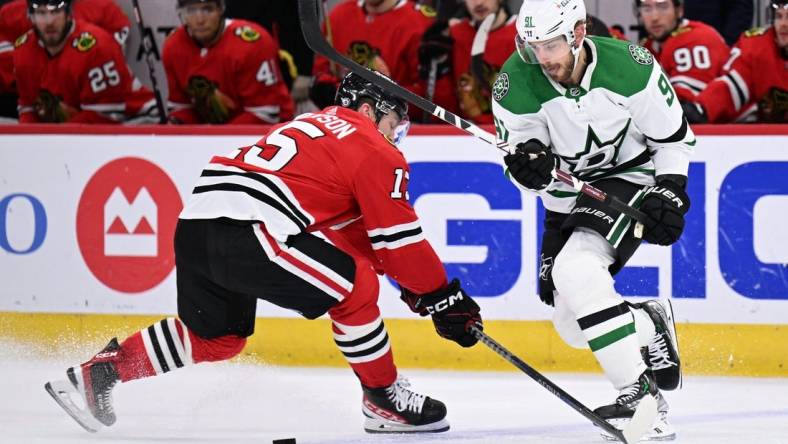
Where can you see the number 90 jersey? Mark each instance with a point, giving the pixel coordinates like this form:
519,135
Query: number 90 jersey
692,56
331,171
622,121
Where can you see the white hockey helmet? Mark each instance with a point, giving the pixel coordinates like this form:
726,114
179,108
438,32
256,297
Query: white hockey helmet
546,29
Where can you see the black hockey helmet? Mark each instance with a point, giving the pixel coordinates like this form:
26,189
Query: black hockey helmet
355,88
52,5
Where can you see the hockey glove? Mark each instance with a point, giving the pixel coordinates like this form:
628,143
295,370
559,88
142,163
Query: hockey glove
665,205
694,112
436,44
531,165
453,312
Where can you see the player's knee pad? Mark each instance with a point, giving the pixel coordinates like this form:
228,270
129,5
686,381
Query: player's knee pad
216,349
580,272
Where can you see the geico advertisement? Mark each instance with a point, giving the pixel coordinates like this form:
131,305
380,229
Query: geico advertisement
86,225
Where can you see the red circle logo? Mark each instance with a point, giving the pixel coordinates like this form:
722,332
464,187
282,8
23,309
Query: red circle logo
126,222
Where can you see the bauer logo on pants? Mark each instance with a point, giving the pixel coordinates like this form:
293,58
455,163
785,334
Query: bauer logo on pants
125,224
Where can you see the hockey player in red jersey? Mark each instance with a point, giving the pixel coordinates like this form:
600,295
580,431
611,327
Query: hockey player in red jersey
382,35
67,70
691,53
754,84
14,21
469,92
223,71
248,233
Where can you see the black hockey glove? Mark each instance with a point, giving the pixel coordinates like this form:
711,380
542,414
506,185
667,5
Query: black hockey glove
694,112
531,165
453,312
665,205
436,44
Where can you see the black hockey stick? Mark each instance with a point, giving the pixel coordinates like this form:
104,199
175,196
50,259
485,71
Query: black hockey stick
310,25
641,422
147,45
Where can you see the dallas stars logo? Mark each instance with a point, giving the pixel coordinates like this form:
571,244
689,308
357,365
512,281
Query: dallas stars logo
597,156
641,55
500,87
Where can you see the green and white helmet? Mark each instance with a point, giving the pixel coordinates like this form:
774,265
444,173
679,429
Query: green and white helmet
546,29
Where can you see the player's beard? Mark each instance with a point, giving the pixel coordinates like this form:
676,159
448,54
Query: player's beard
51,38
560,72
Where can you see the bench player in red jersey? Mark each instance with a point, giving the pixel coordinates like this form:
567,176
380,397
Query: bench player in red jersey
754,82
692,53
249,233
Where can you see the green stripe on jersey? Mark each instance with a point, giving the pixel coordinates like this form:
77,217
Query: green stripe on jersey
611,337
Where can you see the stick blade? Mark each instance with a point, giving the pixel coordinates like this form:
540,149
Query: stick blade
642,421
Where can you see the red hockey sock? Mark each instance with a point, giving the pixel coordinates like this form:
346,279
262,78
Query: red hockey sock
168,345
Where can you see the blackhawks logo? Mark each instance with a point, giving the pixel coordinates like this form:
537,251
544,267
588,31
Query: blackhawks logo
500,87
21,40
641,55
427,11
84,42
247,34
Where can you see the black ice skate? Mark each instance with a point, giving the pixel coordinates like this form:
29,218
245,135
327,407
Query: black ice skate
397,409
662,353
626,410
93,382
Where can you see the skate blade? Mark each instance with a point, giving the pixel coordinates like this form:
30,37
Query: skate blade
375,425
641,423
63,392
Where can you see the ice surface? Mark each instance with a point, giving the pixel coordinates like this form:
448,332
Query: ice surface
248,403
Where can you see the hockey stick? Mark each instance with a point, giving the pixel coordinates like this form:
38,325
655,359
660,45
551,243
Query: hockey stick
147,44
641,422
307,10
477,50
432,77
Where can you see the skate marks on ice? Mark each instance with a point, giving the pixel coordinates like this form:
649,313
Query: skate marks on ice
239,403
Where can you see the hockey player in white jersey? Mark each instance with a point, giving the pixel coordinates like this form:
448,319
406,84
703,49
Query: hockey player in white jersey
604,111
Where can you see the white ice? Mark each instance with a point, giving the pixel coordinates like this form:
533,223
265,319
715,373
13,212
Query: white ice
252,403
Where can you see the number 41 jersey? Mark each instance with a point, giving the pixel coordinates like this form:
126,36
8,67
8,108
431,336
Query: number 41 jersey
331,171
622,121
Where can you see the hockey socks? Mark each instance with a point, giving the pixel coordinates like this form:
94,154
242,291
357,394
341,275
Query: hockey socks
168,345
610,332
368,351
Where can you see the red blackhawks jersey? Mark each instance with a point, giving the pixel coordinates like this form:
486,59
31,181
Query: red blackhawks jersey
387,42
691,56
331,171
754,79
236,81
88,77
470,100
14,22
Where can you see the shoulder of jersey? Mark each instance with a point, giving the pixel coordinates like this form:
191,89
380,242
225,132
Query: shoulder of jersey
755,32
22,39
696,29
426,10
516,86
246,31
87,37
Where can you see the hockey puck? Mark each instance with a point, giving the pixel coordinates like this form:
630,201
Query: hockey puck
284,441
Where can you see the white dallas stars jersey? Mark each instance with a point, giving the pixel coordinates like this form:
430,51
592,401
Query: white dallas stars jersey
623,120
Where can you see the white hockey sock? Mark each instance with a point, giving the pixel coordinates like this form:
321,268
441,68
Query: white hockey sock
610,331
